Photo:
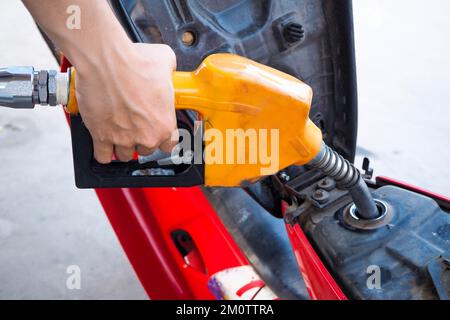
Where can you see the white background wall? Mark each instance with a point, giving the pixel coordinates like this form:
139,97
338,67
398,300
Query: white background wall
403,61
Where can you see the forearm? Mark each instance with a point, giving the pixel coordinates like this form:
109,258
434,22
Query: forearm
99,39
124,90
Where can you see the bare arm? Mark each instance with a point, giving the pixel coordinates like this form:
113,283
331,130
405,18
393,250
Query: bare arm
124,90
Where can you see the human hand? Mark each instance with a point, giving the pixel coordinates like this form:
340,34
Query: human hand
127,103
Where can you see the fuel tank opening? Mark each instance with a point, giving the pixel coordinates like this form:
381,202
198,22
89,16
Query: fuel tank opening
353,218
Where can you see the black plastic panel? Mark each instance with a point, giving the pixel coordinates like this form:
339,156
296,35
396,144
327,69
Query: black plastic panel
412,252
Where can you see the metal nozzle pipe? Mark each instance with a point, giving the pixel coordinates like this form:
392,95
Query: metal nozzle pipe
347,177
24,87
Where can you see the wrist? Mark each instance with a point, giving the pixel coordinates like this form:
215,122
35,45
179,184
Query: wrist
101,55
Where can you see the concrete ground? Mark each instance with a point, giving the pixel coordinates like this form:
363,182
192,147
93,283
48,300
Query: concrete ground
47,225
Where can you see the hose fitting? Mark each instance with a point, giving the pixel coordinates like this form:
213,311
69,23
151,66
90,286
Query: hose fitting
24,87
347,177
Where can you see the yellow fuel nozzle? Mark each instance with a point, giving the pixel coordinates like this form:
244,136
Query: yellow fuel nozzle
237,98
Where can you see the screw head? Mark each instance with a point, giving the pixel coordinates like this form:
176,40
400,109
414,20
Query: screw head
284,176
327,184
321,196
188,38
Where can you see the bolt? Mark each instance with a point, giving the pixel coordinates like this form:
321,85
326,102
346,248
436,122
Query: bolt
188,38
284,176
321,196
327,184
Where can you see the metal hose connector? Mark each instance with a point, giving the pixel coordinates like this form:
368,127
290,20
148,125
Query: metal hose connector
347,177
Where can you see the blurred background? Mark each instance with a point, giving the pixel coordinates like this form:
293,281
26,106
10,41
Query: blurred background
46,224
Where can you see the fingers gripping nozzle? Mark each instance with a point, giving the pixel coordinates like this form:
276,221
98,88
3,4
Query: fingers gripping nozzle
24,87
347,177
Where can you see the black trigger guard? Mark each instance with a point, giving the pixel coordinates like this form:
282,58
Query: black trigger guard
89,174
